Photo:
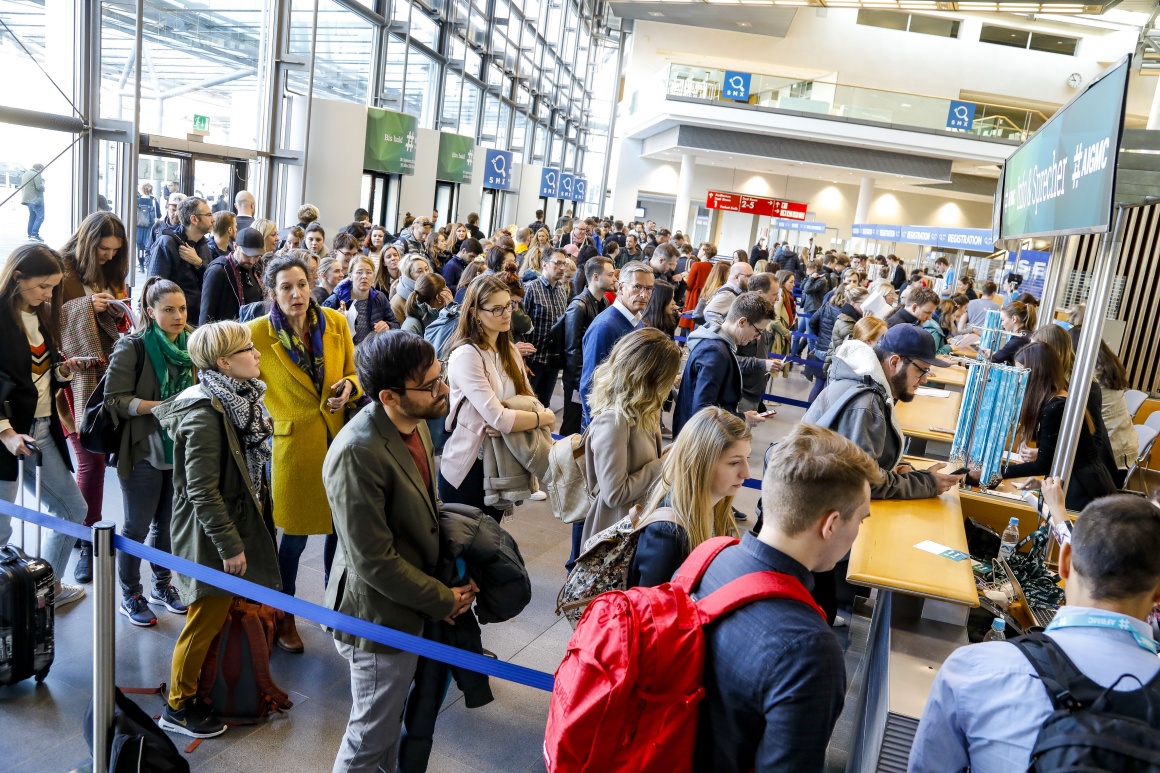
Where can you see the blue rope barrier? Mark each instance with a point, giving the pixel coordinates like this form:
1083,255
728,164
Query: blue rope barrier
388,637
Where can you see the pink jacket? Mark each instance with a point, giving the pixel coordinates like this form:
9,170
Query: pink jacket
476,386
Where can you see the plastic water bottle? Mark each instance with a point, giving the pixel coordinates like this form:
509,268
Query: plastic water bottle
998,627
1010,539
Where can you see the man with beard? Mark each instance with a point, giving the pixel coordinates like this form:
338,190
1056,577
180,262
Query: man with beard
738,282
858,403
380,481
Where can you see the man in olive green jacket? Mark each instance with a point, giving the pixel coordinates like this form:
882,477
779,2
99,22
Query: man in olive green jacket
379,475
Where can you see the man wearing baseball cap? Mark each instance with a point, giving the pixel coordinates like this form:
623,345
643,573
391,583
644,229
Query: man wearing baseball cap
858,403
231,281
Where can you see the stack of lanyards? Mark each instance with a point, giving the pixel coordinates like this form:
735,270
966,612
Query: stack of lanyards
988,421
992,336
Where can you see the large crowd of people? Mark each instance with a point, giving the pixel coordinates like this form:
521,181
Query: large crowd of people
277,384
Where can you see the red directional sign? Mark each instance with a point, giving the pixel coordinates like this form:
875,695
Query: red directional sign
756,205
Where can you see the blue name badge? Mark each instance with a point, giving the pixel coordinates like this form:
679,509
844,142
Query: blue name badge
736,86
961,115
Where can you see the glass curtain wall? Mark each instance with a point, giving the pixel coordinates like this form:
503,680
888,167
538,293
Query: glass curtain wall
530,76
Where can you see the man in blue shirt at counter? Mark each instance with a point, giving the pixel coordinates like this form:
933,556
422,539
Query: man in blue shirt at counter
987,705
775,677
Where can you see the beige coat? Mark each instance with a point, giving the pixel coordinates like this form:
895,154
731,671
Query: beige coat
622,464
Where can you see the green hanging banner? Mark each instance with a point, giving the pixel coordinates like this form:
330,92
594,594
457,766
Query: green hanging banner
390,143
456,158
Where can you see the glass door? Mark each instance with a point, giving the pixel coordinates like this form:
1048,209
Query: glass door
380,196
214,182
488,212
447,200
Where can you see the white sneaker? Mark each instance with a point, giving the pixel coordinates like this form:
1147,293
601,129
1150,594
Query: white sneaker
840,622
68,594
538,496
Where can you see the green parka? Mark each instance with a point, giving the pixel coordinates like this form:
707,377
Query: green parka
216,512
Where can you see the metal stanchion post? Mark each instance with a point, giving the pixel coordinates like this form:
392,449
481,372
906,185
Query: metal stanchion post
104,637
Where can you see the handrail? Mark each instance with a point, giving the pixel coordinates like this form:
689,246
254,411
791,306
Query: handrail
704,82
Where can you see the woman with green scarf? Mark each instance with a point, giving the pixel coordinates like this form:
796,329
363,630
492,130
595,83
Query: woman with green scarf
145,370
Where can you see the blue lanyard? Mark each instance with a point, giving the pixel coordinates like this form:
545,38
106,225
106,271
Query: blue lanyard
1110,621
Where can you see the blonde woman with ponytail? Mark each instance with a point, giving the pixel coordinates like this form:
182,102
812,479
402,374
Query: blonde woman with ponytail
693,500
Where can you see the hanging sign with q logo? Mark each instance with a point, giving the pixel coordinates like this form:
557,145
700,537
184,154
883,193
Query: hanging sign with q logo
736,86
549,183
497,170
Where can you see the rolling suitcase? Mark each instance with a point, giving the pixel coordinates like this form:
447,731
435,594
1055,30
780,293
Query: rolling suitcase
26,609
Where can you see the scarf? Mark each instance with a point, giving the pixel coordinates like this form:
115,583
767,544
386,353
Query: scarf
235,272
406,287
167,356
307,357
577,239
243,406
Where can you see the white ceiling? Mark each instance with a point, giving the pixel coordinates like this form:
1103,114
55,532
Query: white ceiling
759,20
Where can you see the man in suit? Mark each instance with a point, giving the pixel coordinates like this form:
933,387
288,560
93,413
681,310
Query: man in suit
633,291
577,319
380,476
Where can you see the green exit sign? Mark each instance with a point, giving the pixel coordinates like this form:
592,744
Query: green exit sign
200,123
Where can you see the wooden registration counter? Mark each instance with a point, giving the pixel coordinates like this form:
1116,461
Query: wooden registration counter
906,643
954,377
917,418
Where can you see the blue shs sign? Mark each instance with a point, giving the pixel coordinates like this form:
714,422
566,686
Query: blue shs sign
549,183
581,188
736,86
567,183
497,170
961,115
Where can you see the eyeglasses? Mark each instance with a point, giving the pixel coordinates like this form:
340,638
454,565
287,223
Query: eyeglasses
924,371
433,386
500,311
203,214
635,289
249,348
363,273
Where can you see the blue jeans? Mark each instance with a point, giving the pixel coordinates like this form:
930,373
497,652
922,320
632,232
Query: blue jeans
148,497
35,219
59,493
800,325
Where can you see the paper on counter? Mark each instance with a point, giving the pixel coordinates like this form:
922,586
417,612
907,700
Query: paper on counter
932,392
942,550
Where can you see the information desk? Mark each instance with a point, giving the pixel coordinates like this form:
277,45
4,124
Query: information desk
884,555
923,412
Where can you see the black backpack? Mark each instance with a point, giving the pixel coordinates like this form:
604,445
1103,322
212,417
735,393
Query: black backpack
137,742
1091,727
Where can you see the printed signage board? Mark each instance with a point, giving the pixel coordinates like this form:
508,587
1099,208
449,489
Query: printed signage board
1032,266
497,170
736,86
1062,180
756,205
805,226
961,115
946,238
390,142
567,184
456,158
549,183
580,187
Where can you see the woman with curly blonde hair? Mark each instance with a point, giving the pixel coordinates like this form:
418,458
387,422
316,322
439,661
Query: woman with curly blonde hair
623,446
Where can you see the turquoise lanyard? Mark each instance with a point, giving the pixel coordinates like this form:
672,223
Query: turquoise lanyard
1109,621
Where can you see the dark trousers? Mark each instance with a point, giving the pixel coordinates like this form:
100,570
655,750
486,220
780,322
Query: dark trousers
577,539
572,414
148,498
290,553
543,380
90,478
819,385
799,326
470,492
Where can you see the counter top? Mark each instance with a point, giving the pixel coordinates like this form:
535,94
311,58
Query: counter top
923,412
884,555
954,376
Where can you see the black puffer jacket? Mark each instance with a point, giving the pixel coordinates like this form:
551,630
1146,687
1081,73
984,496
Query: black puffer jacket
491,558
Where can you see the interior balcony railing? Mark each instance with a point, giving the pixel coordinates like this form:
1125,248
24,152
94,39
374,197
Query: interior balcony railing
857,103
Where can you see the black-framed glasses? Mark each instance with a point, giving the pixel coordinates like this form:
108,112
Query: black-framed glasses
924,371
501,311
249,348
431,387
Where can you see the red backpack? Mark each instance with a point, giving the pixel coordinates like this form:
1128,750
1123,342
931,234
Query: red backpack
635,662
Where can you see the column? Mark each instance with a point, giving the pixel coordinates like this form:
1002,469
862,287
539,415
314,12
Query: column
862,209
684,193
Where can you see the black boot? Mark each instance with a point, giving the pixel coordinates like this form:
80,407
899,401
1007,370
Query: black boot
84,571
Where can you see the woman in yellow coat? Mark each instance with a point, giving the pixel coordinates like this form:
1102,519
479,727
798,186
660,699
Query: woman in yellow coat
308,366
